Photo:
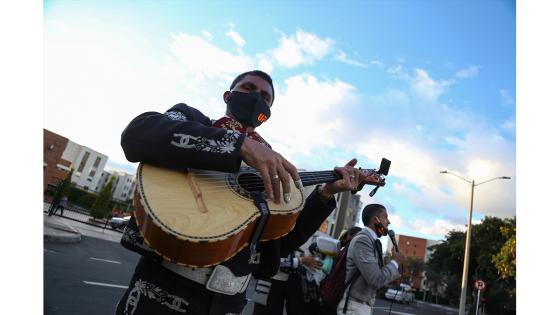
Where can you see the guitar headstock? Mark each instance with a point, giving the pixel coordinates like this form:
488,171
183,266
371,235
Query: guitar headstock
371,177
374,177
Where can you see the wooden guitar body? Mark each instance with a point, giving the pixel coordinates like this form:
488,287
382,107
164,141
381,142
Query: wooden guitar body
202,218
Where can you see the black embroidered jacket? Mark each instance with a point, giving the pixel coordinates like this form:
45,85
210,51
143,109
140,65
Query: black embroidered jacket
184,138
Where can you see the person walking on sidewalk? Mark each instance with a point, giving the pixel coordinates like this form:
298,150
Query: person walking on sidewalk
61,205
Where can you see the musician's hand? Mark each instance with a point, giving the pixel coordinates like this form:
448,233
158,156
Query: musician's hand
274,168
349,181
311,262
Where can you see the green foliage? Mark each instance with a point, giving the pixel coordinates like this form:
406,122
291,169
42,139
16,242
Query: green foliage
489,239
505,262
100,207
86,200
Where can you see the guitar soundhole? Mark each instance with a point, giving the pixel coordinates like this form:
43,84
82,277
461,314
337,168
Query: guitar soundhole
250,182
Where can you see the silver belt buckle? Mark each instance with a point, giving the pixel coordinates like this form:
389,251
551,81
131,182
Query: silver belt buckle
223,281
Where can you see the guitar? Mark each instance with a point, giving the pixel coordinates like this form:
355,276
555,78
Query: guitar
201,218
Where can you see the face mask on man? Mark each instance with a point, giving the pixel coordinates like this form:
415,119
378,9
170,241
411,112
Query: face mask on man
380,230
249,109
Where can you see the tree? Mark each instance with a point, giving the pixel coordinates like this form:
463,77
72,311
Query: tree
505,261
446,262
100,207
412,268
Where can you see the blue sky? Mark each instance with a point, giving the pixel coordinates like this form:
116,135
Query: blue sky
429,85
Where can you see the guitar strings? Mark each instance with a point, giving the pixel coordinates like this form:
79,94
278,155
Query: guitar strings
213,181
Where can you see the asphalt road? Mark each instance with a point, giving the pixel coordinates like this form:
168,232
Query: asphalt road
87,277
90,277
382,307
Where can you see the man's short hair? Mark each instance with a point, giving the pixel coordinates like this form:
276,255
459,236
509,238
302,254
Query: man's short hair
258,73
370,211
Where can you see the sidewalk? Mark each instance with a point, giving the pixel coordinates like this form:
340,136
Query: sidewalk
55,230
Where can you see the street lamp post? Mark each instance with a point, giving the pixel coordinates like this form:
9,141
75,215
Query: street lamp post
468,241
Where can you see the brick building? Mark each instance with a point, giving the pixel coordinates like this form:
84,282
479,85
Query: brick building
55,168
414,247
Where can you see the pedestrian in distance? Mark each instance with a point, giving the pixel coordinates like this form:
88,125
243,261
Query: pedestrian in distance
182,138
61,205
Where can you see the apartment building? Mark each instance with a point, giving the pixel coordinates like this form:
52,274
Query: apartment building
123,184
88,165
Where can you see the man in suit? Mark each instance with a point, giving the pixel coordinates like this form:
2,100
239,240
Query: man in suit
364,263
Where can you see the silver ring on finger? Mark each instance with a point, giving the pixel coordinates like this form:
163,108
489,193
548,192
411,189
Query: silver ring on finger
352,176
275,176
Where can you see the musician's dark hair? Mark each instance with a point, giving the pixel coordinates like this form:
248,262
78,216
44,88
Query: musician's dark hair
350,233
258,73
370,211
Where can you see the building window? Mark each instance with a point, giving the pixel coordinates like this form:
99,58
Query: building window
83,162
97,161
92,173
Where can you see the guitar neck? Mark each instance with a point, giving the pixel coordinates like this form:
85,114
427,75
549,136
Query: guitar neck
315,178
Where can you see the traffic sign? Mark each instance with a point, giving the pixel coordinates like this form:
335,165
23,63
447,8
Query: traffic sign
480,285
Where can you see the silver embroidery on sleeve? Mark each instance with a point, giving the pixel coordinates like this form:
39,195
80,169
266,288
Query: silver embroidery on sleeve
224,145
174,115
150,290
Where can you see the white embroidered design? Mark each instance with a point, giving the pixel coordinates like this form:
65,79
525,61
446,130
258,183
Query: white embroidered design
134,238
174,115
224,145
152,291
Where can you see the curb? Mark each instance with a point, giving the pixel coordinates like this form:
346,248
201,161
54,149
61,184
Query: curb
55,231
52,235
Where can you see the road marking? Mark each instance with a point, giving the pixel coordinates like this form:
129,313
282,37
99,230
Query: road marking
400,313
106,284
48,251
105,260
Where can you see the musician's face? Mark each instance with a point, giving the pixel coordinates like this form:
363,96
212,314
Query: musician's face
253,84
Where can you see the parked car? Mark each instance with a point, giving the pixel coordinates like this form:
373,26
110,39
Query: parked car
402,293
118,222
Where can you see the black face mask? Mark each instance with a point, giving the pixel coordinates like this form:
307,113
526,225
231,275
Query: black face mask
249,109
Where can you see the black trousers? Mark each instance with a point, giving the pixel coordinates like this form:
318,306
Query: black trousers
280,291
155,290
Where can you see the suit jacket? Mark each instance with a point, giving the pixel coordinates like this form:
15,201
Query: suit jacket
363,258
184,138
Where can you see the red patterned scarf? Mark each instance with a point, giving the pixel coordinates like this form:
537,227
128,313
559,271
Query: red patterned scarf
230,124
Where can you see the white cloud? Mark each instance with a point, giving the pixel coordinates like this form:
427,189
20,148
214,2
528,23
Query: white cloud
239,41
436,228
207,35
470,72
376,62
506,97
301,48
426,87
509,125
342,57
199,57
308,114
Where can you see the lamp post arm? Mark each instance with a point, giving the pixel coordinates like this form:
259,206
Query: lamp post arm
486,181
456,175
